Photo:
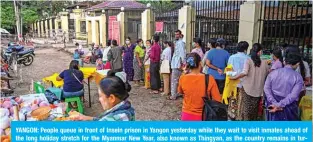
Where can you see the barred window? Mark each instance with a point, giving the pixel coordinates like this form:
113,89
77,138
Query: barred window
83,26
59,25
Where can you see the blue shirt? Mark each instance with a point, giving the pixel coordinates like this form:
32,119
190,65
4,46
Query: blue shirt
219,59
238,61
179,55
71,84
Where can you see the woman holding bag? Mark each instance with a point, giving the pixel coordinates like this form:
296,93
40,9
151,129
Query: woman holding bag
193,102
166,57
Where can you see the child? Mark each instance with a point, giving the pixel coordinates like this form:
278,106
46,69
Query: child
77,56
100,65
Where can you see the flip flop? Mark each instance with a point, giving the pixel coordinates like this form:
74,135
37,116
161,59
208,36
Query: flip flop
153,92
170,98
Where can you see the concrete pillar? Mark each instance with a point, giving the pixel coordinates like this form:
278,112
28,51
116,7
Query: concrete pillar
103,36
248,22
51,28
78,13
64,24
46,28
42,28
93,31
56,25
34,28
147,24
185,24
121,17
89,31
38,29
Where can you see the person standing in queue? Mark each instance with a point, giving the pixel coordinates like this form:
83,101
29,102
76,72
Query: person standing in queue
115,57
147,64
128,57
193,96
138,62
217,61
237,61
282,90
177,64
155,55
255,71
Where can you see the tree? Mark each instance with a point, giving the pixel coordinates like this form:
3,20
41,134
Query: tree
7,15
30,11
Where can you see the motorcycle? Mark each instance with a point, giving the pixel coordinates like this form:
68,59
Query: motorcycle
17,54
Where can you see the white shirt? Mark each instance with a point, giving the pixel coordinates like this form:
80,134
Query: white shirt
307,69
166,54
105,53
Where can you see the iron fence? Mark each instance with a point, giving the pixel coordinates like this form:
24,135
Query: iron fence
218,19
287,22
170,22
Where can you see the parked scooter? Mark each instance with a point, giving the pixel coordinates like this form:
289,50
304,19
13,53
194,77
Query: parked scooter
16,53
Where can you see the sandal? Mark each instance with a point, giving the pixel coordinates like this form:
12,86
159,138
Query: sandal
164,94
154,92
171,98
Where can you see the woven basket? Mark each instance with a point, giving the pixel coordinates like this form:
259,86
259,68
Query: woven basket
41,113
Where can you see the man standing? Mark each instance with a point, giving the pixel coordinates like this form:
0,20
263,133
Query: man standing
178,60
155,55
217,61
237,61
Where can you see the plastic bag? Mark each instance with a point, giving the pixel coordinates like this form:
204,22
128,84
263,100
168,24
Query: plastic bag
51,97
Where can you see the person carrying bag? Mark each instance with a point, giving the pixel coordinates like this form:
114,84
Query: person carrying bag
213,110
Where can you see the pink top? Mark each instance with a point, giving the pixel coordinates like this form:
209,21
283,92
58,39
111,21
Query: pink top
198,51
155,53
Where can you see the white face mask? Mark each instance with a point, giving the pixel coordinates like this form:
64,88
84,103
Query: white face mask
127,42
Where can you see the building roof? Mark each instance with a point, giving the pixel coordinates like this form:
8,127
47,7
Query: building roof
117,4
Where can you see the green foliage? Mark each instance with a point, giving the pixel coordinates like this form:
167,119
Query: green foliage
7,15
299,2
29,15
30,11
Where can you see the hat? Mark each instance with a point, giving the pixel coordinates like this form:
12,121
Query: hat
221,41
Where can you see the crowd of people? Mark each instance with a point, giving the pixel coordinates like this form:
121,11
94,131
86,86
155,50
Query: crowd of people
280,82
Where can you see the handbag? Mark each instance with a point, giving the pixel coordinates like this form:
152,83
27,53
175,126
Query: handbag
165,66
212,110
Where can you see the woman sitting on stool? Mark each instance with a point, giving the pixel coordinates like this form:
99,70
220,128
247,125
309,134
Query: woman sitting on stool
73,81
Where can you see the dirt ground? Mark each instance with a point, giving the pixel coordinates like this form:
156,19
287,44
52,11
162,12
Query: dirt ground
49,60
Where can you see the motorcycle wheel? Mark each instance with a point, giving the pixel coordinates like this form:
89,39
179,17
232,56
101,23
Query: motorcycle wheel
28,60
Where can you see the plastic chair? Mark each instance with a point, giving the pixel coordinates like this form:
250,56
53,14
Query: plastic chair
39,88
79,104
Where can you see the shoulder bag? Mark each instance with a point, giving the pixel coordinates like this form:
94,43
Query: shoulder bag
212,110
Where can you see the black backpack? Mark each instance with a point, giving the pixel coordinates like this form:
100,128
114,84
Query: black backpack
212,110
